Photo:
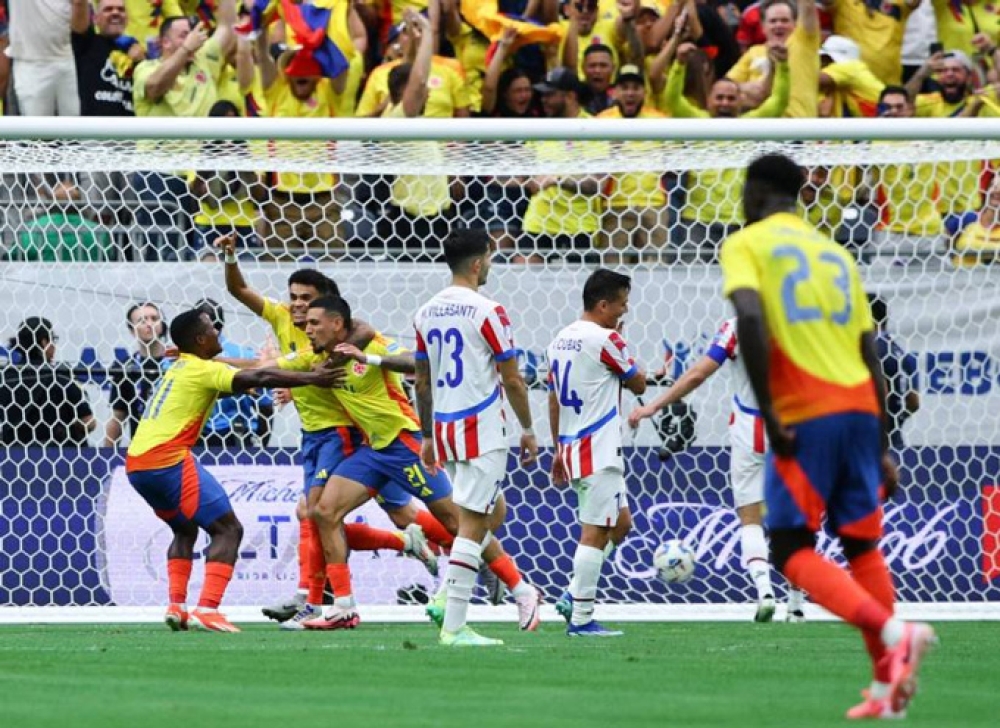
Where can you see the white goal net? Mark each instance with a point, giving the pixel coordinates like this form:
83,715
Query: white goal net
92,226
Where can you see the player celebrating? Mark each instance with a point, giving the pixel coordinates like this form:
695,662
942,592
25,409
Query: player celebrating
466,361
806,332
588,365
163,471
328,436
746,463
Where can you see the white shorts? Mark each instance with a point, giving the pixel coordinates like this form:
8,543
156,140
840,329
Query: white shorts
476,483
746,458
601,496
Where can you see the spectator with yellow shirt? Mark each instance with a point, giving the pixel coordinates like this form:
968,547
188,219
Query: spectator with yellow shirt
302,212
564,213
979,243
636,216
419,212
583,28
712,212
847,86
796,27
967,25
182,82
877,28
910,225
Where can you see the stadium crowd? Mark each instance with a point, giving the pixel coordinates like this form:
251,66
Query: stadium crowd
507,58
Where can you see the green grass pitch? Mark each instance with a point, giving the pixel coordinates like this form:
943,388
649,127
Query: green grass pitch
677,674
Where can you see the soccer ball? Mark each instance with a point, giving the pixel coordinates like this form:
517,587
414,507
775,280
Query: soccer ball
674,562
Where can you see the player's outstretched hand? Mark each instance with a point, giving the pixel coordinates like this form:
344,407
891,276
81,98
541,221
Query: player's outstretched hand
329,374
226,244
890,476
350,351
529,449
427,455
639,414
559,476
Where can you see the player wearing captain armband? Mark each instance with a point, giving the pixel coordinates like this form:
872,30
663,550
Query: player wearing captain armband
163,471
589,364
748,443
466,364
328,437
808,345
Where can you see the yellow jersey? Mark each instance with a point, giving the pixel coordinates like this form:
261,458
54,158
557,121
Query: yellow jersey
446,89
603,33
318,408
908,194
803,60
232,212
419,195
857,89
815,309
283,104
194,92
977,245
878,33
638,189
373,397
145,18
955,28
176,414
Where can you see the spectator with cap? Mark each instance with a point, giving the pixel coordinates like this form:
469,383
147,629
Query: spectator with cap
44,70
564,213
40,403
712,211
105,58
847,86
877,28
134,378
910,224
239,421
795,26
635,220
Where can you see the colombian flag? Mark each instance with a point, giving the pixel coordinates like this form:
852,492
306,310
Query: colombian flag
484,17
319,28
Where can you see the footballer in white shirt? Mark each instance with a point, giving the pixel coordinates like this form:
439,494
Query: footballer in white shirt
748,445
466,366
589,363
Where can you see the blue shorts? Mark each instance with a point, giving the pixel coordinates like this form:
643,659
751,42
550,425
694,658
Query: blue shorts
324,450
836,470
183,493
394,474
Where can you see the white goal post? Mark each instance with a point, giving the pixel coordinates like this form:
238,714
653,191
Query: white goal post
97,215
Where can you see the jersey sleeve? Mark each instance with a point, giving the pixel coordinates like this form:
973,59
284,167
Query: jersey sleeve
496,329
272,312
616,357
723,346
739,269
218,376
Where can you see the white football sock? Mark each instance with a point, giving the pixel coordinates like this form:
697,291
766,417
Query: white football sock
463,568
879,690
892,632
796,599
587,564
754,556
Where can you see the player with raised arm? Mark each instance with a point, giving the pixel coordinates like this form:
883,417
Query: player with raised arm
328,436
589,364
747,445
163,471
466,363
806,333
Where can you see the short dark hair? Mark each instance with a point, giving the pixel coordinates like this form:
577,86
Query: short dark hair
398,78
224,108
463,245
185,328
29,337
778,173
136,306
895,91
334,306
880,309
604,285
324,285
598,48
214,311
168,23
768,4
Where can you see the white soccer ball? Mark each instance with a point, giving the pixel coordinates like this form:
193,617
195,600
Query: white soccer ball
674,562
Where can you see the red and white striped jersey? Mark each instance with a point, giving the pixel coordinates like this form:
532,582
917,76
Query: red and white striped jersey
463,334
587,364
725,347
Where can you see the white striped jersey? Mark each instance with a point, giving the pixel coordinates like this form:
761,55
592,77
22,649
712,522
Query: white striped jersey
587,364
725,347
463,334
